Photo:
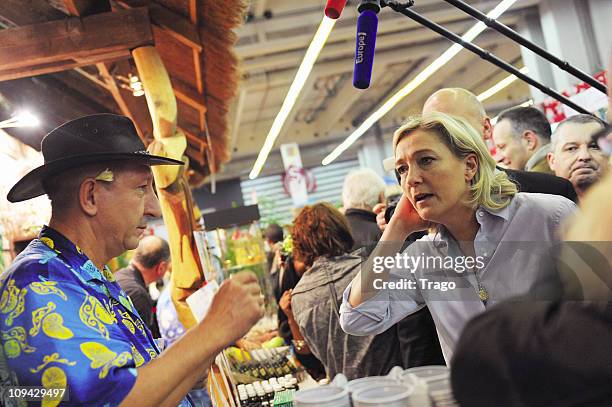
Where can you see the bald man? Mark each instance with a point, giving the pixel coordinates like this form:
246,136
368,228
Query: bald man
149,264
463,103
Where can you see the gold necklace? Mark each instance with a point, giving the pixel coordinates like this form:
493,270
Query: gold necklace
482,291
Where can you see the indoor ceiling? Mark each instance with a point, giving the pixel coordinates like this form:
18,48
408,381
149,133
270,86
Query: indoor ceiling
273,41
271,45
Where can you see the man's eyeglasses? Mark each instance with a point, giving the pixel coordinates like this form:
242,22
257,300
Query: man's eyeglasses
603,138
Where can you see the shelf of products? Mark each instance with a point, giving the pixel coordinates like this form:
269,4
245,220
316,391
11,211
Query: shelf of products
256,378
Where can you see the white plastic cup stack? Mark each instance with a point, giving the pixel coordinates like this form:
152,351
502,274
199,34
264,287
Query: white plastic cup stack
387,395
441,393
432,386
330,395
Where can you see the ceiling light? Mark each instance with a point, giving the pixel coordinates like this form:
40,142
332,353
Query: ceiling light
23,118
132,83
294,91
442,60
504,83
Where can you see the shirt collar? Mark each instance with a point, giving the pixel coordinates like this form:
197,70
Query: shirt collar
537,156
503,213
74,255
484,217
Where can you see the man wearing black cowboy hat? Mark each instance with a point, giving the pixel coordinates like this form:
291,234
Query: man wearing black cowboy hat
64,321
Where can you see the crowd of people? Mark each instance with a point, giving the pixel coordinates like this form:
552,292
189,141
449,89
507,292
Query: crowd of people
506,327
512,209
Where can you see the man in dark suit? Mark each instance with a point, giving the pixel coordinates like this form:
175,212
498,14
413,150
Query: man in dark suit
149,264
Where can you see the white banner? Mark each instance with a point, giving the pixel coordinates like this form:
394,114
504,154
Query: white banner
295,176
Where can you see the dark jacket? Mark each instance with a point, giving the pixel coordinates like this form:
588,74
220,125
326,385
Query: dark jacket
411,342
133,284
363,227
290,279
535,354
542,183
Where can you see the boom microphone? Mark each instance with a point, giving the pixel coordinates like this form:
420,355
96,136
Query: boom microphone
334,8
367,24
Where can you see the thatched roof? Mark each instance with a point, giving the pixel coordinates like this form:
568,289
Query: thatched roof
194,39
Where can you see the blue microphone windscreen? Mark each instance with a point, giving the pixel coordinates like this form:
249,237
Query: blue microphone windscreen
367,24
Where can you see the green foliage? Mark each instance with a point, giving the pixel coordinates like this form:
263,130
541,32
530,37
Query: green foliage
268,213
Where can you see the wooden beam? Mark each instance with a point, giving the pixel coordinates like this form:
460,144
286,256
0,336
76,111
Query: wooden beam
188,95
193,138
133,107
59,45
96,91
176,26
114,90
14,13
196,157
81,8
139,110
193,11
92,78
59,66
171,23
197,62
175,197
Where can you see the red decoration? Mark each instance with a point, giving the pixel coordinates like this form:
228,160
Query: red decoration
553,109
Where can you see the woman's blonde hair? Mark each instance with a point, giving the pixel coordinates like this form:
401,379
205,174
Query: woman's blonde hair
489,188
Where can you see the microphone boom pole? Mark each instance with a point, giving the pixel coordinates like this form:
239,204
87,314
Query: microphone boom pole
513,35
403,9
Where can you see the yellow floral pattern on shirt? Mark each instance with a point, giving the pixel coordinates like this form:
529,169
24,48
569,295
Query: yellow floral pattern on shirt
152,353
94,315
126,303
108,274
48,241
129,322
53,327
38,315
52,358
53,378
52,323
48,293
138,359
102,357
12,301
47,287
15,342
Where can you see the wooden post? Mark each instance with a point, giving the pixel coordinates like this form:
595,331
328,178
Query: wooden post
173,191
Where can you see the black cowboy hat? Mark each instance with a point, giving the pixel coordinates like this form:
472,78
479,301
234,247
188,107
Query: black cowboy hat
86,140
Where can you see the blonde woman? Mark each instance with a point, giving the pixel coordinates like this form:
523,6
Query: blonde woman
473,256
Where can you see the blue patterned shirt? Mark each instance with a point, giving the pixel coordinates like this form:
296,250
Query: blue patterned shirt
64,322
